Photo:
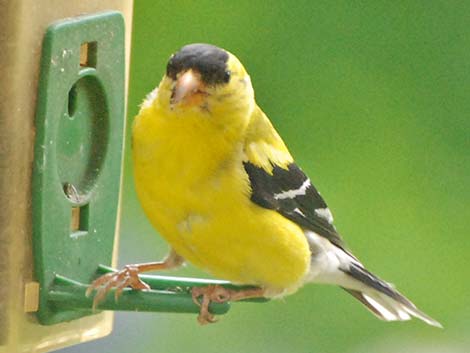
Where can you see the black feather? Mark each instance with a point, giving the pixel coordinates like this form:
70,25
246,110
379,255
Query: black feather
209,60
371,280
301,208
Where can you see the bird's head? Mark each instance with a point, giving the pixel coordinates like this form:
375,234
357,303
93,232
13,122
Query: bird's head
204,81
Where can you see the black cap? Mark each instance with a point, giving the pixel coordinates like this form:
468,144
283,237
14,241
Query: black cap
209,60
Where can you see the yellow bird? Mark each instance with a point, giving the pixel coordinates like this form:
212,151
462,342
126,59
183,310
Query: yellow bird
219,184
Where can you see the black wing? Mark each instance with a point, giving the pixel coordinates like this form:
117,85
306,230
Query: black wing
289,192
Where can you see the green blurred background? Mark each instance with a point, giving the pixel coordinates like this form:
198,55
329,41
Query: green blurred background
373,99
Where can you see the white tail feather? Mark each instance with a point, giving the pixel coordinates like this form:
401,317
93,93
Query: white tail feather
387,312
332,265
393,310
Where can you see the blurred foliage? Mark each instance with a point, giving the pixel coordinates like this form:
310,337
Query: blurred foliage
373,99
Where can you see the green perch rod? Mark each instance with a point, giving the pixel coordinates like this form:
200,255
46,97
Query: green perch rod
167,294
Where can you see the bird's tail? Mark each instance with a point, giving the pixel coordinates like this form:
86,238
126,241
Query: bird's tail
382,299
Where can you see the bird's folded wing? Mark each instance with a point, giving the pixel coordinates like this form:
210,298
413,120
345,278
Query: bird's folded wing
277,183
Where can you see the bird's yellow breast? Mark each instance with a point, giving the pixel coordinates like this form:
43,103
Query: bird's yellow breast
193,188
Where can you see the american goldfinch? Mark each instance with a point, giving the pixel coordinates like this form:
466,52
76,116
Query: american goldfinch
219,184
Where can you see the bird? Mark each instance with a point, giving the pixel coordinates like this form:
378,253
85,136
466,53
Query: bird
217,181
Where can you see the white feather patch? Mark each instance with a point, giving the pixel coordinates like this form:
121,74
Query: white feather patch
290,194
324,213
386,314
326,263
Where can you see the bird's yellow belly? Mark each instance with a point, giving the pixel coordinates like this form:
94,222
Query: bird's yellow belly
216,227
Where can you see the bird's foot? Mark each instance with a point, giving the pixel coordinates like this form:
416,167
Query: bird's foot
127,277
218,294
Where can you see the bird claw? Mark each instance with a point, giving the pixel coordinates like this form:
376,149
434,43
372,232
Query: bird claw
127,277
210,293
218,294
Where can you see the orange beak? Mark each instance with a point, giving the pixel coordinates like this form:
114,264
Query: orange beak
188,89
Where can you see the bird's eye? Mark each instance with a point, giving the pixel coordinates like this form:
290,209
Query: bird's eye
227,75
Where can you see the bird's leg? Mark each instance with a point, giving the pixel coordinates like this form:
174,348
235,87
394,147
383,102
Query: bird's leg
218,294
129,277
